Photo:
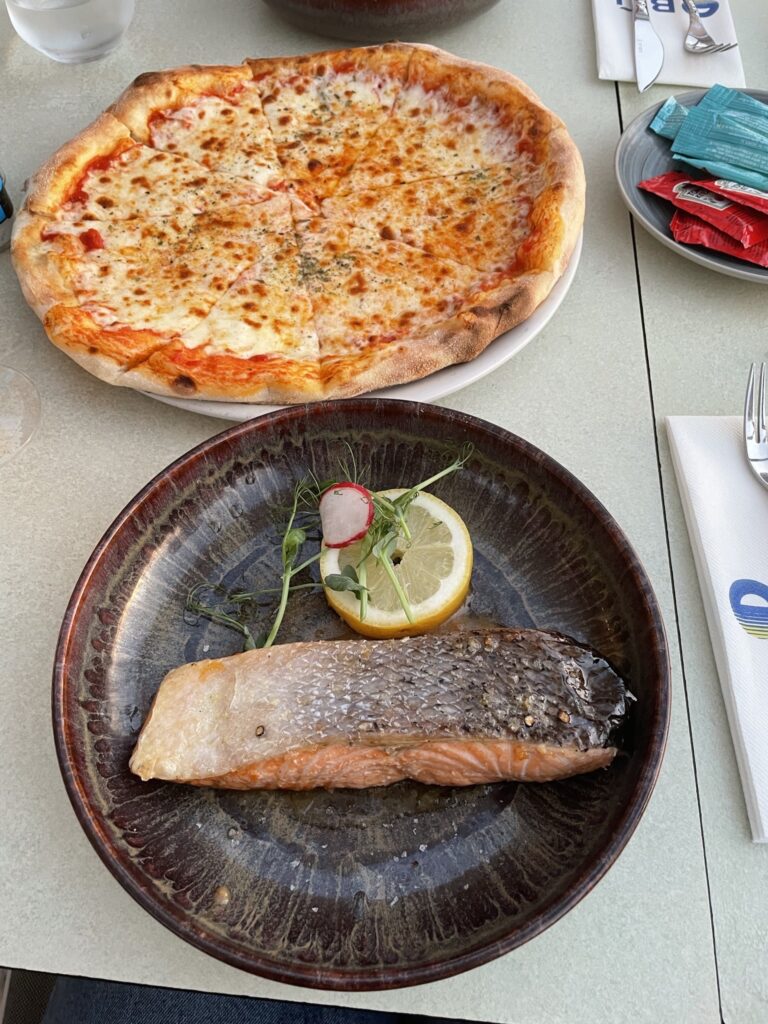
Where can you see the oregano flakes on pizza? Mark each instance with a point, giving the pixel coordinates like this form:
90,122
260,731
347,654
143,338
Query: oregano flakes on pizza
300,228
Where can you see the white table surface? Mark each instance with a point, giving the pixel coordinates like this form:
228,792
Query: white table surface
677,930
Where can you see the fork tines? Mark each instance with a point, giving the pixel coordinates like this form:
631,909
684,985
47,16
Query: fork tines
755,434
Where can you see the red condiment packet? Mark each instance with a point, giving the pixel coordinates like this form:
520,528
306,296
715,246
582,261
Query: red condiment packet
740,193
695,197
693,231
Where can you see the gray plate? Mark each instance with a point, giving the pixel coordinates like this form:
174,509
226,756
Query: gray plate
642,154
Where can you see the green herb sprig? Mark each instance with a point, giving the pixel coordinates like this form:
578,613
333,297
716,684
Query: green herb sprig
387,531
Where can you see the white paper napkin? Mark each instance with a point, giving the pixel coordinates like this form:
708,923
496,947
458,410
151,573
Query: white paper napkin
726,510
616,48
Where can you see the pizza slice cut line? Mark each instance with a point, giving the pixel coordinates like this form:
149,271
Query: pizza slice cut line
322,109
211,115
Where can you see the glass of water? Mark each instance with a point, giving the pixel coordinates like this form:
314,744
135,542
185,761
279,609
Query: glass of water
71,31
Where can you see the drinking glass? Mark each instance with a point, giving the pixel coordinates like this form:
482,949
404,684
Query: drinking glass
19,411
71,31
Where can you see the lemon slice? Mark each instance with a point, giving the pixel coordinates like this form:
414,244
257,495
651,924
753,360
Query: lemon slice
434,569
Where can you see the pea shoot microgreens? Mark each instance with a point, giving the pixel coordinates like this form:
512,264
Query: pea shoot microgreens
388,532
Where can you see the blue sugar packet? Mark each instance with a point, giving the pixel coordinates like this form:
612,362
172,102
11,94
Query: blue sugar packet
740,120
730,172
669,119
721,98
724,137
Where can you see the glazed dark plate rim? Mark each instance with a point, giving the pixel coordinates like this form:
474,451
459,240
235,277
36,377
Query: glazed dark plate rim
123,869
720,262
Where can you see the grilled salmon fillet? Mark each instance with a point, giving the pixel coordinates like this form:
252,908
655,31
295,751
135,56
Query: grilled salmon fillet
450,709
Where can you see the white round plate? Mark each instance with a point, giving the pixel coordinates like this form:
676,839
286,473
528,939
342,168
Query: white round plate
428,389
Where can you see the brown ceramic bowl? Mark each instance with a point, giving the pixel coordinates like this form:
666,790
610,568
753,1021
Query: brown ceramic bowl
356,889
373,21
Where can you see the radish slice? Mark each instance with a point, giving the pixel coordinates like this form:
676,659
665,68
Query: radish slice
346,512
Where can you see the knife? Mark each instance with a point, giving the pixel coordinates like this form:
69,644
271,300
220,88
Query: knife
649,51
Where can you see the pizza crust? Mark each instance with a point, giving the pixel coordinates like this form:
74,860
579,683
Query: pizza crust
435,69
155,362
392,58
458,340
107,353
50,187
43,281
164,90
567,172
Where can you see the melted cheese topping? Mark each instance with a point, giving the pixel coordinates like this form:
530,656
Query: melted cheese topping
365,290
230,136
429,135
479,218
167,276
147,184
321,124
264,312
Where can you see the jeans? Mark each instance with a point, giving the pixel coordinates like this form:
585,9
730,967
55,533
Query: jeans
83,1001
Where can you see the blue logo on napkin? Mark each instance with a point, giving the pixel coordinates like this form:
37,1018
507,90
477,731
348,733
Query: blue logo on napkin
751,617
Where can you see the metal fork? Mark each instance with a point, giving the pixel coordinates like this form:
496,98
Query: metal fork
697,39
755,433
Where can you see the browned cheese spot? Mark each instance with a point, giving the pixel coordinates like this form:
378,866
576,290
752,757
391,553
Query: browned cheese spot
357,284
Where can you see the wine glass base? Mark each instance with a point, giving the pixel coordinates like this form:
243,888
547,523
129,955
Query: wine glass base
19,411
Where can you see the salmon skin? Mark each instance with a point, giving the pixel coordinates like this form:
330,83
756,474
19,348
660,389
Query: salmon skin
447,709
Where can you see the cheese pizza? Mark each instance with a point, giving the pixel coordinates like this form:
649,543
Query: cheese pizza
300,228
